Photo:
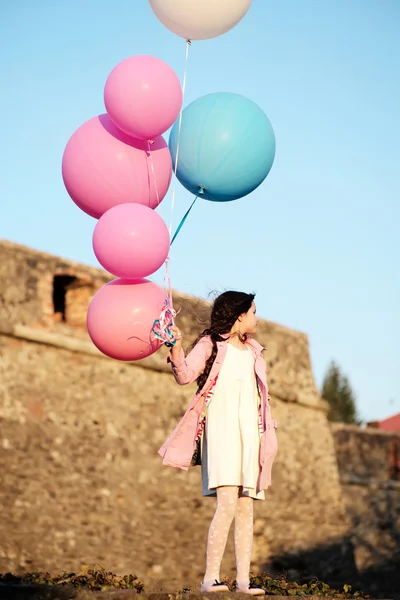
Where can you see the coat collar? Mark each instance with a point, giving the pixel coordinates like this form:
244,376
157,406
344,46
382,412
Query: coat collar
255,344
250,341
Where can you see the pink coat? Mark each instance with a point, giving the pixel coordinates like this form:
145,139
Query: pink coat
178,450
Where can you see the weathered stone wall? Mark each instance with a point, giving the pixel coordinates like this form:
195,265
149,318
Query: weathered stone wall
80,480
369,464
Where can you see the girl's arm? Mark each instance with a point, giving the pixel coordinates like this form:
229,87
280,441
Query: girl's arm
186,370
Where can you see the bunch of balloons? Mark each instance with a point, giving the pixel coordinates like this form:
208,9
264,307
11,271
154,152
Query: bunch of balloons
117,168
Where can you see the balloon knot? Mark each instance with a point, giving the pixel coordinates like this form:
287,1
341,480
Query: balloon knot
162,326
189,42
202,190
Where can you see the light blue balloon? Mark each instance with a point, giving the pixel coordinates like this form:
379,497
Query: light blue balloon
226,147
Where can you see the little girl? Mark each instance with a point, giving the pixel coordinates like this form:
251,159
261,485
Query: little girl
229,419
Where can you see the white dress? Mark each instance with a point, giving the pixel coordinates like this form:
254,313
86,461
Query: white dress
231,440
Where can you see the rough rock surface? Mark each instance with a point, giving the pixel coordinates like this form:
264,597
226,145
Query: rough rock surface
80,479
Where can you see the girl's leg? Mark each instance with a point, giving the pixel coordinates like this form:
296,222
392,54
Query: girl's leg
227,497
243,540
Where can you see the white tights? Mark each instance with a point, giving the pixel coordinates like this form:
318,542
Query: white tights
230,504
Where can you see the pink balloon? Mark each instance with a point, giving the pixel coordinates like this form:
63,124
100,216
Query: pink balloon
120,318
131,241
103,167
143,96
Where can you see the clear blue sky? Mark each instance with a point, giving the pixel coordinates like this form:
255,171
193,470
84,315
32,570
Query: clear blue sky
318,241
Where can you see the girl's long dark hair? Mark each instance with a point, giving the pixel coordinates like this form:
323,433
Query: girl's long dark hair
225,311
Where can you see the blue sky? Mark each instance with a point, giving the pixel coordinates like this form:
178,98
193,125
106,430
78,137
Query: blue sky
318,241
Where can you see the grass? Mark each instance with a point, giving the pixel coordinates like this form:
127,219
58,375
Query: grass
96,577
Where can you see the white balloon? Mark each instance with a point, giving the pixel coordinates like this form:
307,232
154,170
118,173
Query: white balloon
199,19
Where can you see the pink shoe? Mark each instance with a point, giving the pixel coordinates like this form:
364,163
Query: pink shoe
213,586
252,590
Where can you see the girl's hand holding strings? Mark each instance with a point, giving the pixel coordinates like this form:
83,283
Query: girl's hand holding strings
175,350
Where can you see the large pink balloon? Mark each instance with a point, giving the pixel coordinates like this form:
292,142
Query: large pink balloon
120,318
143,96
103,167
131,241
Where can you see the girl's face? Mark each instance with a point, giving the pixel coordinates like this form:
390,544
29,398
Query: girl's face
248,321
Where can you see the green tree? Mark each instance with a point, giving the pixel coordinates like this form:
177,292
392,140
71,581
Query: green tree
336,390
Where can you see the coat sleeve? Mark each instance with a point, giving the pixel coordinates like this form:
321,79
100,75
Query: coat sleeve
186,370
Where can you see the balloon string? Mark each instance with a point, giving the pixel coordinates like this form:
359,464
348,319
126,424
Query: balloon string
161,327
188,43
169,306
167,278
150,159
136,337
184,219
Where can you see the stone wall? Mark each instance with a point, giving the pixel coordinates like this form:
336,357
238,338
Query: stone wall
369,464
80,479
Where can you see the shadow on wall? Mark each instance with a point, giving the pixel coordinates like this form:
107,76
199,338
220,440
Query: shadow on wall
324,563
376,537
332,563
